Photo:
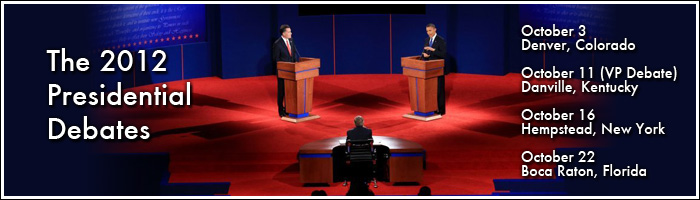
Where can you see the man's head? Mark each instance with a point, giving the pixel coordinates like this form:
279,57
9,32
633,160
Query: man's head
286,31
430,29
359,121
424,191
319,193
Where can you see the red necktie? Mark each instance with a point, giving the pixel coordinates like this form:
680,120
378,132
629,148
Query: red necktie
288,48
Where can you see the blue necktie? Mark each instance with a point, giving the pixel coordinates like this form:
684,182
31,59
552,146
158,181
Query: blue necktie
431,42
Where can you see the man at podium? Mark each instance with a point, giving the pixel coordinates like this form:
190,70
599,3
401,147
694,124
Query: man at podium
283,49
434,48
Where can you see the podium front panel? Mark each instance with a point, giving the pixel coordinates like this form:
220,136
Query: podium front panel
423,94
299,96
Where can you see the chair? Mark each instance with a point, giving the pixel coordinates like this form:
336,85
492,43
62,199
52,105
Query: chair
362,158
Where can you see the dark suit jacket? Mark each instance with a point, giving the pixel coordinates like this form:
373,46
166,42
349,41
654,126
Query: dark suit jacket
440,50
359,133
280,52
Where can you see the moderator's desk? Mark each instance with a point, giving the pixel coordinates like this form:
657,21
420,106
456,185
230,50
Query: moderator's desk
398,160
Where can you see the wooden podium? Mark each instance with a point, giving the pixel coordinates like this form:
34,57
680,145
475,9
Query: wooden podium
299,87
422,86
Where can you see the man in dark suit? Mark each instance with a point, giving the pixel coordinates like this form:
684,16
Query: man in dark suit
357,171
283,49
360,132
434,48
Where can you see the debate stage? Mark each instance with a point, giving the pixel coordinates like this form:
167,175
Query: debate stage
232,132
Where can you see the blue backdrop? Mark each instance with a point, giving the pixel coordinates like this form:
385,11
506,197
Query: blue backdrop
364,43
239,40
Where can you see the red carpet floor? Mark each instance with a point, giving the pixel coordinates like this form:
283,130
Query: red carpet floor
232,132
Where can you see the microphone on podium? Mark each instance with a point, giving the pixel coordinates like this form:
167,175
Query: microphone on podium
421,54
297,54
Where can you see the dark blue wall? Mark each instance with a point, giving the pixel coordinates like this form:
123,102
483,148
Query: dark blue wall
246,32
364,44
240,39
481,39
314,34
